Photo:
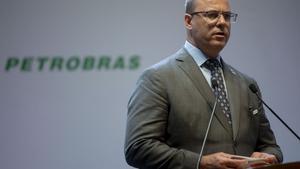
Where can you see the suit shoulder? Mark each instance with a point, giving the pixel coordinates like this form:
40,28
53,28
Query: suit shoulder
165,66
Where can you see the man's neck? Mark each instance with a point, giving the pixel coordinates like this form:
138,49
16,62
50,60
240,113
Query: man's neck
208,52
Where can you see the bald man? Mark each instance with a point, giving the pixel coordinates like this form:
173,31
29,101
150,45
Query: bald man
169,110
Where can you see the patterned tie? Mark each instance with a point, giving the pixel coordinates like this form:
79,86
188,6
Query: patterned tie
214,66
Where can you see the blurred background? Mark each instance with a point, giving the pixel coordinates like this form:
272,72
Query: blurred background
68,67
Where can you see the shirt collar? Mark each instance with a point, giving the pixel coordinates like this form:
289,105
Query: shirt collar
198,56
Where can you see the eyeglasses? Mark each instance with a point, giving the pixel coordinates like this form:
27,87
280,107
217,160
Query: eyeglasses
215,15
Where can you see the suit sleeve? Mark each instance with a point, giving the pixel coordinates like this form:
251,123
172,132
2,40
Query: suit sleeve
266,140
146,132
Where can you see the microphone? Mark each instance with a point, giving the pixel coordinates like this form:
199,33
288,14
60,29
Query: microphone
214,85
254,89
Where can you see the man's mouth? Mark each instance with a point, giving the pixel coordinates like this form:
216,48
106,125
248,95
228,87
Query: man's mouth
219,35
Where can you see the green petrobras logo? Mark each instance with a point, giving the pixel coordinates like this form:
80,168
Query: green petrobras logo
72,63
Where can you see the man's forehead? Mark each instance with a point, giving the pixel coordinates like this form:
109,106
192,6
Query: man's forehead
212,4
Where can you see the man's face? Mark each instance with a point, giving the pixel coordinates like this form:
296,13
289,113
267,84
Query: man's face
209,35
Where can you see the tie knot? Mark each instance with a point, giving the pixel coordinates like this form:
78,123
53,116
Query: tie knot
212,64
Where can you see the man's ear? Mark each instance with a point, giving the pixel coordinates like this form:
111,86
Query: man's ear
188,21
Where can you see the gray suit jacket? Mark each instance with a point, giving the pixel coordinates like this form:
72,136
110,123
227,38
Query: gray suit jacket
169,111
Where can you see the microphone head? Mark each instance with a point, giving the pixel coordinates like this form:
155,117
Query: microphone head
214,83
253,88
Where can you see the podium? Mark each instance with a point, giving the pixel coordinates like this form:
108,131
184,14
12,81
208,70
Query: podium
290,165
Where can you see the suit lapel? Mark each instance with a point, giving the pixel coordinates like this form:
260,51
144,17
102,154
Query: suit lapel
189,66
233,90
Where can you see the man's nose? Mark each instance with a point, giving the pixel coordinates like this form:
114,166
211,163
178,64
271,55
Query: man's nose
221,19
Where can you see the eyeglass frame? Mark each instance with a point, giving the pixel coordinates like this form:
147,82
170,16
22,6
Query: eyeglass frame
228,16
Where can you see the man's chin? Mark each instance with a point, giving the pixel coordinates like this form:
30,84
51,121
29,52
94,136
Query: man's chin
218,45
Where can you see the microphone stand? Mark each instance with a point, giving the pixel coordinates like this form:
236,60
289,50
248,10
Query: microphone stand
253,88
215,86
